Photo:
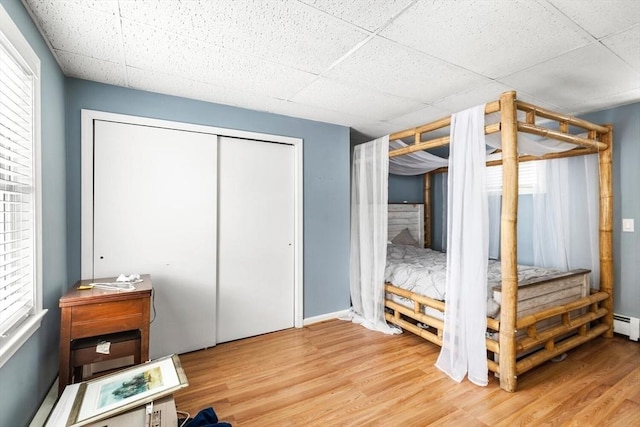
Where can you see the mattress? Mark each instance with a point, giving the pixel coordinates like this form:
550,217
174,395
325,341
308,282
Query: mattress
424,271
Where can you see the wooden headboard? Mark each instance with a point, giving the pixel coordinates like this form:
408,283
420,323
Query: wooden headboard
406,215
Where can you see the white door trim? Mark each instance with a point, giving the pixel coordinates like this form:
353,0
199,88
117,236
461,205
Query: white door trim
86,138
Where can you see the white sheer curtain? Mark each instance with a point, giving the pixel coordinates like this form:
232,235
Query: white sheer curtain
566,215
495,209
369,201
416,163
464,349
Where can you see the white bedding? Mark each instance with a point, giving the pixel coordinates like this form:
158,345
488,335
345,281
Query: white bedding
423,271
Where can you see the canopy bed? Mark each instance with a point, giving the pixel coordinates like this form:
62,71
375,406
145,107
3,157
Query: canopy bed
541,316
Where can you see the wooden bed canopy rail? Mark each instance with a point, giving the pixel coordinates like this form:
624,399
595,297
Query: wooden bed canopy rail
580,320
528,126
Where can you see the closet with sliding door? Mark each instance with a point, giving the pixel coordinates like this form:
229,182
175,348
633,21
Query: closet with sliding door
213,215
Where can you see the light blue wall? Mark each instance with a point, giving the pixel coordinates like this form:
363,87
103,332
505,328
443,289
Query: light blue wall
326,177
626,183
626,203
27,376
405,189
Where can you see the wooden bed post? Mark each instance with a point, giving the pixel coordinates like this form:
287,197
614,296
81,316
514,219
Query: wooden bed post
508,241
606,227
427,209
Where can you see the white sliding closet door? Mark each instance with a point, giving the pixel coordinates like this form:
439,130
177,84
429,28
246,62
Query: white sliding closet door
256,223
155,212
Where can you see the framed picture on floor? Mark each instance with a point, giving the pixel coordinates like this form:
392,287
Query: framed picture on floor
126,389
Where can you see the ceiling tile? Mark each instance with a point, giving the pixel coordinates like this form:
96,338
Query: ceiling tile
465,99
375,129
608,101
164,83
367,14
173,16
565,80
601,17
108,6
72,27
286,31
376,65
152,49
309,112
84,67
493,41
415,75
418,118
351,99
158,82
626,45
485,93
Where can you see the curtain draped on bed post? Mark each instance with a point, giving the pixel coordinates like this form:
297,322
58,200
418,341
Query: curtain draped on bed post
369,200
566,216
464,348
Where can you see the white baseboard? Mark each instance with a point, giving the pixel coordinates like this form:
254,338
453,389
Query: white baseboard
323,317
46,407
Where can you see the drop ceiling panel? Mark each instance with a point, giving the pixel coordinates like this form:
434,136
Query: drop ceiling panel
577,73
418,117
172,85
491,38
286,32
621,98
78,29
626,45
367,14
401,71
371,128
469,98
601,17
309,112
154,81
84,67
152,49
351,99
369,64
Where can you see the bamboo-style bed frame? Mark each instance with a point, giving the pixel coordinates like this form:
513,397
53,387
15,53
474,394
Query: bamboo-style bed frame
576,322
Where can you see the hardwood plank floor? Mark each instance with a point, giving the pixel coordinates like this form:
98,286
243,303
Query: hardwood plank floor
336,373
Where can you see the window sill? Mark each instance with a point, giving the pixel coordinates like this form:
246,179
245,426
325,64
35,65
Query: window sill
10,344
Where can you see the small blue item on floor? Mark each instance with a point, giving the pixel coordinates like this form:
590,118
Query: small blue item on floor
206,418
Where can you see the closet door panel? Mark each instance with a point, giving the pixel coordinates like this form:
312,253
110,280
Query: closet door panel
155,208
256,238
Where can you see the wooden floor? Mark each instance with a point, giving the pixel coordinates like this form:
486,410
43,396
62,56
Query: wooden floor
336,373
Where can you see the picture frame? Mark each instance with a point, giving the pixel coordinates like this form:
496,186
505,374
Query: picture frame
130,388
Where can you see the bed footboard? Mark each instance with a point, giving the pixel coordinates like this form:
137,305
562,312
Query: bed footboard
555,314
416,319
575,324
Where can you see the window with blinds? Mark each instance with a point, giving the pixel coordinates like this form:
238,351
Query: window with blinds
16,192
527,178
20,261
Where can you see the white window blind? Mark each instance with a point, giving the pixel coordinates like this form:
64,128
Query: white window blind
527,178
17,255
21,309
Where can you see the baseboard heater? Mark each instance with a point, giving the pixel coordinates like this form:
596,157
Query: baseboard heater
626,325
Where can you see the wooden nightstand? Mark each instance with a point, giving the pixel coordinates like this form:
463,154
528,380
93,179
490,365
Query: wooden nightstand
97,312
